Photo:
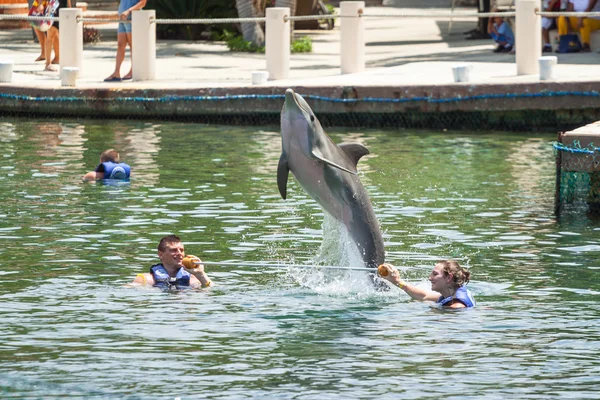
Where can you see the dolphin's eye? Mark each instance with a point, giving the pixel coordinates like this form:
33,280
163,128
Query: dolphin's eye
312,118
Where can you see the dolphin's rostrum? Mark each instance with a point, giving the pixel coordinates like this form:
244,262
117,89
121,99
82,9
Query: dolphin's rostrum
328,173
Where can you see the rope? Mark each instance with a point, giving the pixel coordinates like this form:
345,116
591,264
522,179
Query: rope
209,21
23,17
576,148
568,13
312,17
213,21
278,265
102,20
443,14
172,98
272,265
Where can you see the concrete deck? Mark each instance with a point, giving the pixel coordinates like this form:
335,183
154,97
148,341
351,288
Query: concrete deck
405,57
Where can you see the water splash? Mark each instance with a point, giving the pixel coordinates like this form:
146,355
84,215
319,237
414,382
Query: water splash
337,248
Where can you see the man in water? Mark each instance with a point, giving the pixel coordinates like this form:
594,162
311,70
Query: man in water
109,168
448,284
171,271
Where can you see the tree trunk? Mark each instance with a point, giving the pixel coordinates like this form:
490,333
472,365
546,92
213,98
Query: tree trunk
251,30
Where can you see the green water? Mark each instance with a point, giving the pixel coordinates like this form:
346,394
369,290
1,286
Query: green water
71,329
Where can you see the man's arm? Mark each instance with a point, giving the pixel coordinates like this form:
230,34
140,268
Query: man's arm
144,279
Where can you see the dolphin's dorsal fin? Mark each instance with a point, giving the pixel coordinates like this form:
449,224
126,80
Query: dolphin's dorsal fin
282,175
354,150
319,156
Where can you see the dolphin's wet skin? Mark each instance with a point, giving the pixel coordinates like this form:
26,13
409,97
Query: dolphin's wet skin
328,173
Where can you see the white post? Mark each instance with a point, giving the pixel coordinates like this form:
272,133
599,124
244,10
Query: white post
528,37
277,42
143,45
6,70
70,38
352,37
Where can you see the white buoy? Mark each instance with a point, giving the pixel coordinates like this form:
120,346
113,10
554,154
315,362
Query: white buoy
259,77
462,72
6,69
547,64
68,76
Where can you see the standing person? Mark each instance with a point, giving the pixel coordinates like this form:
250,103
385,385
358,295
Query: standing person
41,36
110,167
502,33
124,38
448,284
52,39
172,272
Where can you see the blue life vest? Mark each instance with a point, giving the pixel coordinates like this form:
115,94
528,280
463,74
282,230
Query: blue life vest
462,294
164,280
114,170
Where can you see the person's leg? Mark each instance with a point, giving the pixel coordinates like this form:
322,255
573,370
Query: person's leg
130,42
563,26
589,25
573,24
121,45
41,36
56,44
50,34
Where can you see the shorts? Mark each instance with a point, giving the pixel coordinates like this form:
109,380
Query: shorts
548,23
124,28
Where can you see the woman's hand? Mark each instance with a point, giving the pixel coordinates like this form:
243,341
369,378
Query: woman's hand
390,273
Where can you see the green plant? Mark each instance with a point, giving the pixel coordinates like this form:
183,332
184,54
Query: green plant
236,42
303,45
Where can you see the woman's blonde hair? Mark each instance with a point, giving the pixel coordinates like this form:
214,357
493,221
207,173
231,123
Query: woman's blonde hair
460,276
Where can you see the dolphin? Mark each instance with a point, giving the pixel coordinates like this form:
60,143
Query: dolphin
328,173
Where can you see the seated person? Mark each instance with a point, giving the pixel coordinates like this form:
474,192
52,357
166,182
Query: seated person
109,168
448,280
549,23
588,25
500,30
171,272
584,25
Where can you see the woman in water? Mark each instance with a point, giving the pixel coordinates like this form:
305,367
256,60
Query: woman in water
448,284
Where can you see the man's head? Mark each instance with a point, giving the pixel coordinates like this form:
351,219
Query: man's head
110,155
171,252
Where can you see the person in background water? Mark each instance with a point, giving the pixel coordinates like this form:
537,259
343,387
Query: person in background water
109,168
124,38
448,280
171,272
500,30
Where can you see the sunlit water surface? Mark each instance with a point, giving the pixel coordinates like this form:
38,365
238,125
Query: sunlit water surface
72,329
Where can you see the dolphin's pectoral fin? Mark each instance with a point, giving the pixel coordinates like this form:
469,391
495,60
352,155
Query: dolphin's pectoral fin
354,150
282,175
319,157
